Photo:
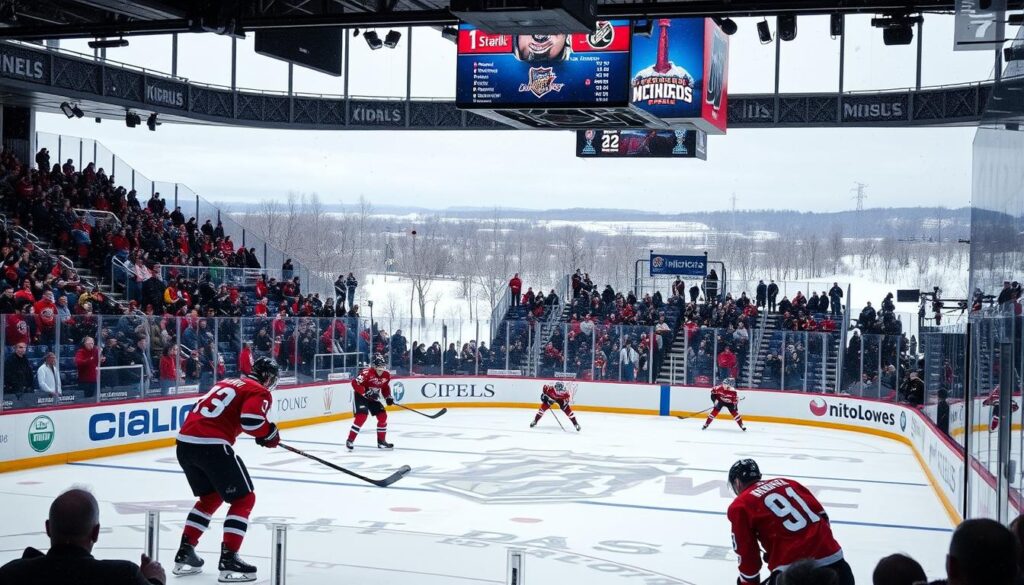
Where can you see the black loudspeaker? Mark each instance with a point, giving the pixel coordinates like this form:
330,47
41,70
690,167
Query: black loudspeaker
908,295
314,48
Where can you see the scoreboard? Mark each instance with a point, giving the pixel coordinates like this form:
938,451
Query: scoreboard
642,143
539,70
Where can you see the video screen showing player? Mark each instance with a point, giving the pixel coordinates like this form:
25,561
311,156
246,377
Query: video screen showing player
543,48
646,143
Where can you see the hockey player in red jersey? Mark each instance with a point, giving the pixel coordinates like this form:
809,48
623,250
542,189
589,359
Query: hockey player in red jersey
559,395
993,401
215,474
786,520
369,386
724,396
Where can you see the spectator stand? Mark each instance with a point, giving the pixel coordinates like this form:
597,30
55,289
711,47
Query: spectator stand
84,152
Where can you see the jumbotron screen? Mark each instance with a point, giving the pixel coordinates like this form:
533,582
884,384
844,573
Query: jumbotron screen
559,70
641,143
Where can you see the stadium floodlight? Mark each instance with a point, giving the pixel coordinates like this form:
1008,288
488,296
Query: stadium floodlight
68,111
77,111
391,39
763,32
131,119
897,29
727,25
451,33
151,122
643,28
108,43
355,33
836,25
787,27
373,40
1013,53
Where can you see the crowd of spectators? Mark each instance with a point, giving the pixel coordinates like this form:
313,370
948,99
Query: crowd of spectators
879,361
177,280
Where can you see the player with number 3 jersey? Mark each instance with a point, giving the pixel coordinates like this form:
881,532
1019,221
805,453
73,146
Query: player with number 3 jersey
786,520
215,474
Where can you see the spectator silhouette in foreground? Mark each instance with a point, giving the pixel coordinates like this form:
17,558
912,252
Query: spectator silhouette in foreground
982,552
74,528
898,570
807,573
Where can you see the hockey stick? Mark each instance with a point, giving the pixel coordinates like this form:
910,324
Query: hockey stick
402,471
694,414
557,420
705,410
435,415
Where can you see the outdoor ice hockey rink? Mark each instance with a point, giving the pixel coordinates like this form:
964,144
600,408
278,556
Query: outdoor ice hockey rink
630,499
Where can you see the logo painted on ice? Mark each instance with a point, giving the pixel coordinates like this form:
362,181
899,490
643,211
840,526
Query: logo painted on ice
818,407
512,476
398,391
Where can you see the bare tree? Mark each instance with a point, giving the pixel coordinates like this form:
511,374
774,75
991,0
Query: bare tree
836,247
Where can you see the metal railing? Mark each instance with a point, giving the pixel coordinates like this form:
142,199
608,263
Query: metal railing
84,151
95,217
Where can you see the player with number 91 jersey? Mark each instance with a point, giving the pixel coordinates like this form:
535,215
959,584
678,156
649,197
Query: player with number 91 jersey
788,522
231,407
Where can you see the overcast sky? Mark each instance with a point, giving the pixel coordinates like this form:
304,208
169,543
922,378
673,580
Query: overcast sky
792,169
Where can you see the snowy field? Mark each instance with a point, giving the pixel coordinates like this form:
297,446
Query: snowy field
631,499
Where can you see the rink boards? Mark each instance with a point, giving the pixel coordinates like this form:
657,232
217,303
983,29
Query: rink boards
75,433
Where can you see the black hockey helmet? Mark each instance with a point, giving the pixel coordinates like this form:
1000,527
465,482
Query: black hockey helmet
379,361
744,470
266,372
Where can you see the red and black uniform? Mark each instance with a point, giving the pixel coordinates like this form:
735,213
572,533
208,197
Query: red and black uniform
215,474
993,401
790,525
723,396
369,386
549,395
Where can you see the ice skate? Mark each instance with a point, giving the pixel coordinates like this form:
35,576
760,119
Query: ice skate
233,569
186,562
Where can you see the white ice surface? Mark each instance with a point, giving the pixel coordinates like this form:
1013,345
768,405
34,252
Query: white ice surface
631,499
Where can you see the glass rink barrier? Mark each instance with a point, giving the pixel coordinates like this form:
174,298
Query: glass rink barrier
87,357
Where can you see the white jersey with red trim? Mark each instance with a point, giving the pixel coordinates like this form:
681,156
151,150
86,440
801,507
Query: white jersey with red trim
231,407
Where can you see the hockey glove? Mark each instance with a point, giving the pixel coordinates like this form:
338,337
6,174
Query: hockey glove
390,401
271,439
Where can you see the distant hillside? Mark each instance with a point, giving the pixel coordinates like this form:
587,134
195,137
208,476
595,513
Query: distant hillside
901,222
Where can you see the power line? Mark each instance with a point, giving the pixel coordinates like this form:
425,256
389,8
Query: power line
860,195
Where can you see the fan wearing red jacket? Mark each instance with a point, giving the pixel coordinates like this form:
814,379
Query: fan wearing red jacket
724,396
559,395
369,386
786,520
993,401
215,474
